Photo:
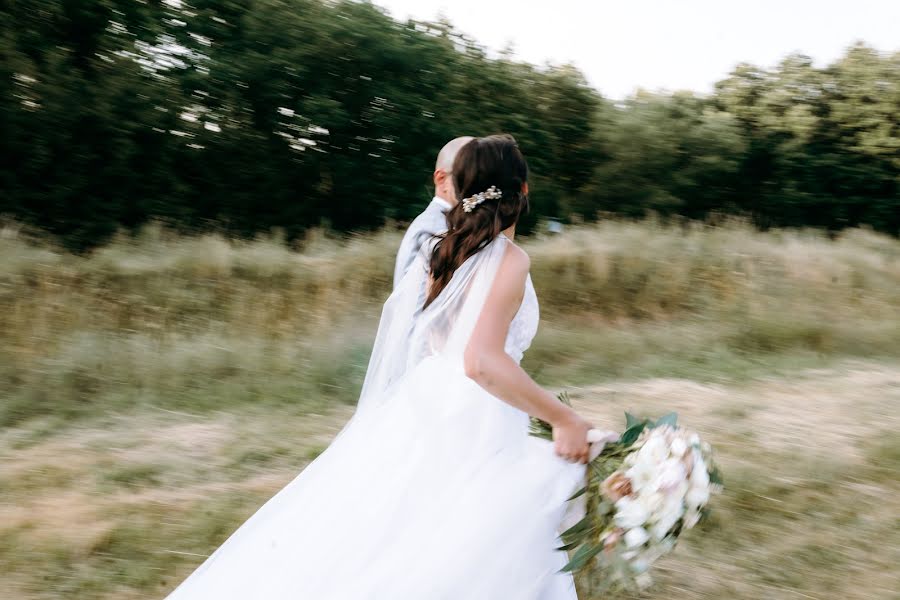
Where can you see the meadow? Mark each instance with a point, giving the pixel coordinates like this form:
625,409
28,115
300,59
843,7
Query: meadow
156,391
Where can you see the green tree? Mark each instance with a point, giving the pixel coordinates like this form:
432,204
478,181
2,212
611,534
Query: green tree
253,114
670,155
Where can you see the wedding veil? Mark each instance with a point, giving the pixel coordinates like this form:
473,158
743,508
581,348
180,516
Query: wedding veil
409,334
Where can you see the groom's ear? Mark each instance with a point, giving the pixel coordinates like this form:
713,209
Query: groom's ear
440,179
525,189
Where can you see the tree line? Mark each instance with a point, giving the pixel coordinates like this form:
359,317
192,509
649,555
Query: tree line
253,114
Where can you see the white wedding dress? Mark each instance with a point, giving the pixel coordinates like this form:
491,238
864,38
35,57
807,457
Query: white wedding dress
434,489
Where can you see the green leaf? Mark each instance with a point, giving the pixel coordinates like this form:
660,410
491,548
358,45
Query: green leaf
578,493
631,420
669,419
579,527
632,434
581,557
563,397
567,547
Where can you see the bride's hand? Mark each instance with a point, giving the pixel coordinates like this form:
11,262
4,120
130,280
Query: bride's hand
570,438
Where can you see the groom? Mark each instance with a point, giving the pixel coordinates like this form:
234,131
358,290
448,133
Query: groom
432,220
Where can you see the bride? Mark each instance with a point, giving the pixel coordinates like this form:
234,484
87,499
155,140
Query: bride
434,489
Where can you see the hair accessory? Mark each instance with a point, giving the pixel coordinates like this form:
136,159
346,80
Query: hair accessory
469,204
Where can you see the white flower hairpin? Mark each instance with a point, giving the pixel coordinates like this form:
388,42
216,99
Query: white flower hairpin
492,193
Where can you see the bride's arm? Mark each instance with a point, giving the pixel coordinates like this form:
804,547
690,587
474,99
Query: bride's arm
487,363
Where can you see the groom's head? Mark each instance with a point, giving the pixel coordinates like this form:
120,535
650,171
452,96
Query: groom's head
443,168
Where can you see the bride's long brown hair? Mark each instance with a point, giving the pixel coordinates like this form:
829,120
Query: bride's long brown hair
484,162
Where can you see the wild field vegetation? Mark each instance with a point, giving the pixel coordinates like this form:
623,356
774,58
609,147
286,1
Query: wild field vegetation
206,323
157,391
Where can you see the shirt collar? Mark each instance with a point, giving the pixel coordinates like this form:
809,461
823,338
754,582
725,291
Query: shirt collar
445,206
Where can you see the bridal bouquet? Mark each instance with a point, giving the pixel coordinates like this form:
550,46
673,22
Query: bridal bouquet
642,491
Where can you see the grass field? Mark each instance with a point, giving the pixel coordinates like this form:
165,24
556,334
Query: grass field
157,391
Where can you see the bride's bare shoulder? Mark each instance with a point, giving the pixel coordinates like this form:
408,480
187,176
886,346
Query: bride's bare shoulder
515,259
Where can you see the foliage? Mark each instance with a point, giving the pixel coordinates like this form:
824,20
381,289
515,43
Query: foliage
253,114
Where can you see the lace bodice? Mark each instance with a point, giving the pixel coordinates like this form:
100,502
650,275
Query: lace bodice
524,325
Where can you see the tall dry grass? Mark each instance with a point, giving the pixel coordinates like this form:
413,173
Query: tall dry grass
155,393
194,323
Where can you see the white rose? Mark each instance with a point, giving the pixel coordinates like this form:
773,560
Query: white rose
654,450
630,514
636,537
678,447
659,530
697,496
699,474
671,511
671,473
681,489
652,502
642,475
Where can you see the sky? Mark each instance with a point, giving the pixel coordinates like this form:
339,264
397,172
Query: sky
664,44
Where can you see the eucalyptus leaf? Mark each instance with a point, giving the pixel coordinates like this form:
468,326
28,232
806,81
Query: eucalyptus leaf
631,420
632,434
577,494
581,557
669,419
567,547
579,527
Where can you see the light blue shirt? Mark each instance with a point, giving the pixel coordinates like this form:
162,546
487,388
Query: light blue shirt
432,221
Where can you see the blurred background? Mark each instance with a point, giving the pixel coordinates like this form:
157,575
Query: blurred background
200,205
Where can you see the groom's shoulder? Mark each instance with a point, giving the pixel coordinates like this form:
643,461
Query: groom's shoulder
429,218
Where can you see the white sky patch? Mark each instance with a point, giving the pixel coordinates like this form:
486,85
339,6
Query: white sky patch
664,44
